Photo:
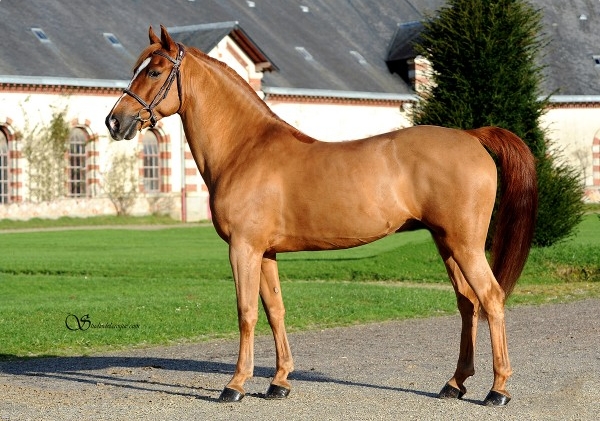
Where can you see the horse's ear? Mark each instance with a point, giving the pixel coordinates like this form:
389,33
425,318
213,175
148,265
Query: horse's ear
166,40
154,39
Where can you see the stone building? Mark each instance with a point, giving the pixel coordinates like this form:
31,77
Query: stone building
335,69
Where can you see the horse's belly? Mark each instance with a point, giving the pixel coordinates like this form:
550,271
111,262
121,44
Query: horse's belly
338,228
290,243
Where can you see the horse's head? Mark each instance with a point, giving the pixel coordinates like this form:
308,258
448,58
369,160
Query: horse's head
149,96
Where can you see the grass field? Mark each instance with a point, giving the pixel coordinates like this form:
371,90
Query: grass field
143,287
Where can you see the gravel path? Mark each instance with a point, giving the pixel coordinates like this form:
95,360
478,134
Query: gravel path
387,371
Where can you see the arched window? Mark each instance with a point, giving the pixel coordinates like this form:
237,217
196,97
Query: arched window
596,159
151,162
4,168
77,164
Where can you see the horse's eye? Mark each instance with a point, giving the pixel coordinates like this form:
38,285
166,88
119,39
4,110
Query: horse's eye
153,74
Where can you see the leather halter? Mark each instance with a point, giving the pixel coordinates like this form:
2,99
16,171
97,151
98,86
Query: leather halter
164,90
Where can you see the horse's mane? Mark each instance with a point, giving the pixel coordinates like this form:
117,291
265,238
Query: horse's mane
244,85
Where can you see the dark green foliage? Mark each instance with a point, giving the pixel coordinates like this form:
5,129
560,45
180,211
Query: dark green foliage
561,208
484,56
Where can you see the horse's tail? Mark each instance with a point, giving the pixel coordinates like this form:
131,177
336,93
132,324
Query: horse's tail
517,209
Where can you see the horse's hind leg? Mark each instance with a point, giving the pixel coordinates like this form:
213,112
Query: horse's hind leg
478,274
270,293
468,306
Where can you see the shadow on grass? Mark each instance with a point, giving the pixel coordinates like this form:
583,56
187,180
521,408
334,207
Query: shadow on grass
87,370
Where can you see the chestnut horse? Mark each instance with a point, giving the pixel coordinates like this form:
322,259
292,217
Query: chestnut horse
274,189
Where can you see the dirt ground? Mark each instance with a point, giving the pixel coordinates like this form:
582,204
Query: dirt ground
386,371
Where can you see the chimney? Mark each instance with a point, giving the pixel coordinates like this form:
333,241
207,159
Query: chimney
419,73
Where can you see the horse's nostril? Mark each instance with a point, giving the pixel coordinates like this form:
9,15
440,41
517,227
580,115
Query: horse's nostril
113,124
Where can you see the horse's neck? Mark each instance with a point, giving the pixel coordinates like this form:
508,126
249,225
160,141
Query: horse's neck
220,117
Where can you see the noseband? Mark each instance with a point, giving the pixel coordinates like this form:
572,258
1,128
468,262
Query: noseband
163,91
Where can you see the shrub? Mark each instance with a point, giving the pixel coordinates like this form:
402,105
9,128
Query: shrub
44,149
120,183
560,207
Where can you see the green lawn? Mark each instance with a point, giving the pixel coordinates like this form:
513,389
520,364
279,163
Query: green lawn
154,287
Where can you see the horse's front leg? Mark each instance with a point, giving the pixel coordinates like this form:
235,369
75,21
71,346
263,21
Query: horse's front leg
270,292
245,264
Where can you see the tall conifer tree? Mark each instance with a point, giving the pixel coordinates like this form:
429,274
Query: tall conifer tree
486,71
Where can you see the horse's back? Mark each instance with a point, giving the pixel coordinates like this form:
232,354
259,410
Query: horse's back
422,163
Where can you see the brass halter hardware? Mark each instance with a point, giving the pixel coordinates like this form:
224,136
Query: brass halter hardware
163,91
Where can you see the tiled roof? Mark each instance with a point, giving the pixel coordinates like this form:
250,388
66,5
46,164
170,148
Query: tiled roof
313,44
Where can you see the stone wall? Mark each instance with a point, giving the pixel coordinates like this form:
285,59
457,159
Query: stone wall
196,208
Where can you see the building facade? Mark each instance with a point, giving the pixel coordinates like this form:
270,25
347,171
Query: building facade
330,83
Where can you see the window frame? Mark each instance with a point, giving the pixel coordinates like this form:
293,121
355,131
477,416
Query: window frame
5,194
151,179
77,163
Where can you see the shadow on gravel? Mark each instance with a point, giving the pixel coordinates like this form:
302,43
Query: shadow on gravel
119,372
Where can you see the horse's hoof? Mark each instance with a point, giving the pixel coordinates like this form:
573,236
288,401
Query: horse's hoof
277,392
451,392
496,399
230,395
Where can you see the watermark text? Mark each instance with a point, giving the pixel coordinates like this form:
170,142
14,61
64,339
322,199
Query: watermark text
73,322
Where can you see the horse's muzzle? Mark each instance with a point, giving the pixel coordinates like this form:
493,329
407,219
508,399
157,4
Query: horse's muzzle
121,128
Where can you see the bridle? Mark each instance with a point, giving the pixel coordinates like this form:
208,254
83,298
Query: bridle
163,91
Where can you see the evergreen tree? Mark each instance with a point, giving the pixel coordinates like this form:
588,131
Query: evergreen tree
485,57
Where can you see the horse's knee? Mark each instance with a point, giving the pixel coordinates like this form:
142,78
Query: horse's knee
276,315
247,319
